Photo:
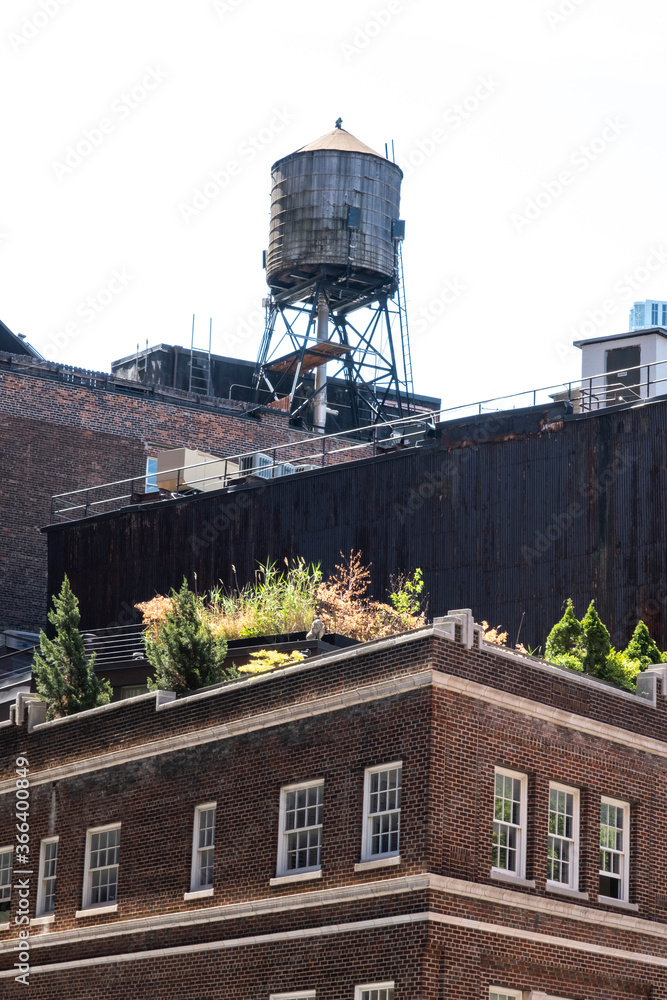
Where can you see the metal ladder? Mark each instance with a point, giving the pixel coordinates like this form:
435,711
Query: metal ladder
403,322
200,365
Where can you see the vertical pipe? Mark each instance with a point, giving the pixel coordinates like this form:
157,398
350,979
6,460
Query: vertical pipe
320,403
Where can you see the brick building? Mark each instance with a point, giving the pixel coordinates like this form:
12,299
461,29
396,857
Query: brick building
64,428
419,817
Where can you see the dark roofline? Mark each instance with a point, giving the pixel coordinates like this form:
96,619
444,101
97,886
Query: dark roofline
185,350
36,367
15,345
661,330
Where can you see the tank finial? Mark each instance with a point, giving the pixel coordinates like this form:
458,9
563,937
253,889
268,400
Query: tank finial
339,123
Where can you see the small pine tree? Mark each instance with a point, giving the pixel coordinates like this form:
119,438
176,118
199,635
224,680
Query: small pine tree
641,646
183,649
597,645
566,637
65,676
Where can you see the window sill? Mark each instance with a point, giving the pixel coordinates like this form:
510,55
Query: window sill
364,866
96,911
526,883
47,918
198,893
564,890
621,903
296,877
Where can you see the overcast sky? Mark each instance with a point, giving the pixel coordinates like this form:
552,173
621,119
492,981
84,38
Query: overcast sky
532,135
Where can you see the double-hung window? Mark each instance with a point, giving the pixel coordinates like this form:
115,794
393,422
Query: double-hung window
203,848
46,888
509,822
300,836
100,886
375,991
382,812
6,858
614,836
563,842
500,993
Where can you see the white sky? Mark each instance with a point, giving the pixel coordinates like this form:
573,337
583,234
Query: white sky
225,71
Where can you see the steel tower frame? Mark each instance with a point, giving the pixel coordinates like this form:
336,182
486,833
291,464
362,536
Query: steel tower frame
371,352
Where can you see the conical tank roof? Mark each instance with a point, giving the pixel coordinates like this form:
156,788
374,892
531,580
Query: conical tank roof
339,139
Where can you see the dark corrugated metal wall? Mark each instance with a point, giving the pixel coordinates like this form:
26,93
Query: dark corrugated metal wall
505,516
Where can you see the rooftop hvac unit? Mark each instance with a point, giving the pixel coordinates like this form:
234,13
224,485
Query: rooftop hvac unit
307,468
257,465
183,469
285,469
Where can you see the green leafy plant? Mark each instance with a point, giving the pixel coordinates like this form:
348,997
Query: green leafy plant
567,660
566,637
263,660
620,670
597,646
288,600
183,649
642,647
405,598
278,602
64,674
586,646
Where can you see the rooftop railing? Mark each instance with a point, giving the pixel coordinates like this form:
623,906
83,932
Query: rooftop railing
593,393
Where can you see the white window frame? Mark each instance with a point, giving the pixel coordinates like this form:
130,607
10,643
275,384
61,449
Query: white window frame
302,995
623,896
359,990
196,885
367,837
521,827
7,850
86,904
282,871
503,994
573,882
40,910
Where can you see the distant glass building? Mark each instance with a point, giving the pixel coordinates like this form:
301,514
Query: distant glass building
645,315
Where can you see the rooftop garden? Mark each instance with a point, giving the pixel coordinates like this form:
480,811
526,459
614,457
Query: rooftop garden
186,634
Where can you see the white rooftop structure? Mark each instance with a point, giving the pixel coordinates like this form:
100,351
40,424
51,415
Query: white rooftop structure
624,367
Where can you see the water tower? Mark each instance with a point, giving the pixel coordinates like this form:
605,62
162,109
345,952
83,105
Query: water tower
334,270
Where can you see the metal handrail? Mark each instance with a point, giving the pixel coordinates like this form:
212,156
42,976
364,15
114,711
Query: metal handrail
585,387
